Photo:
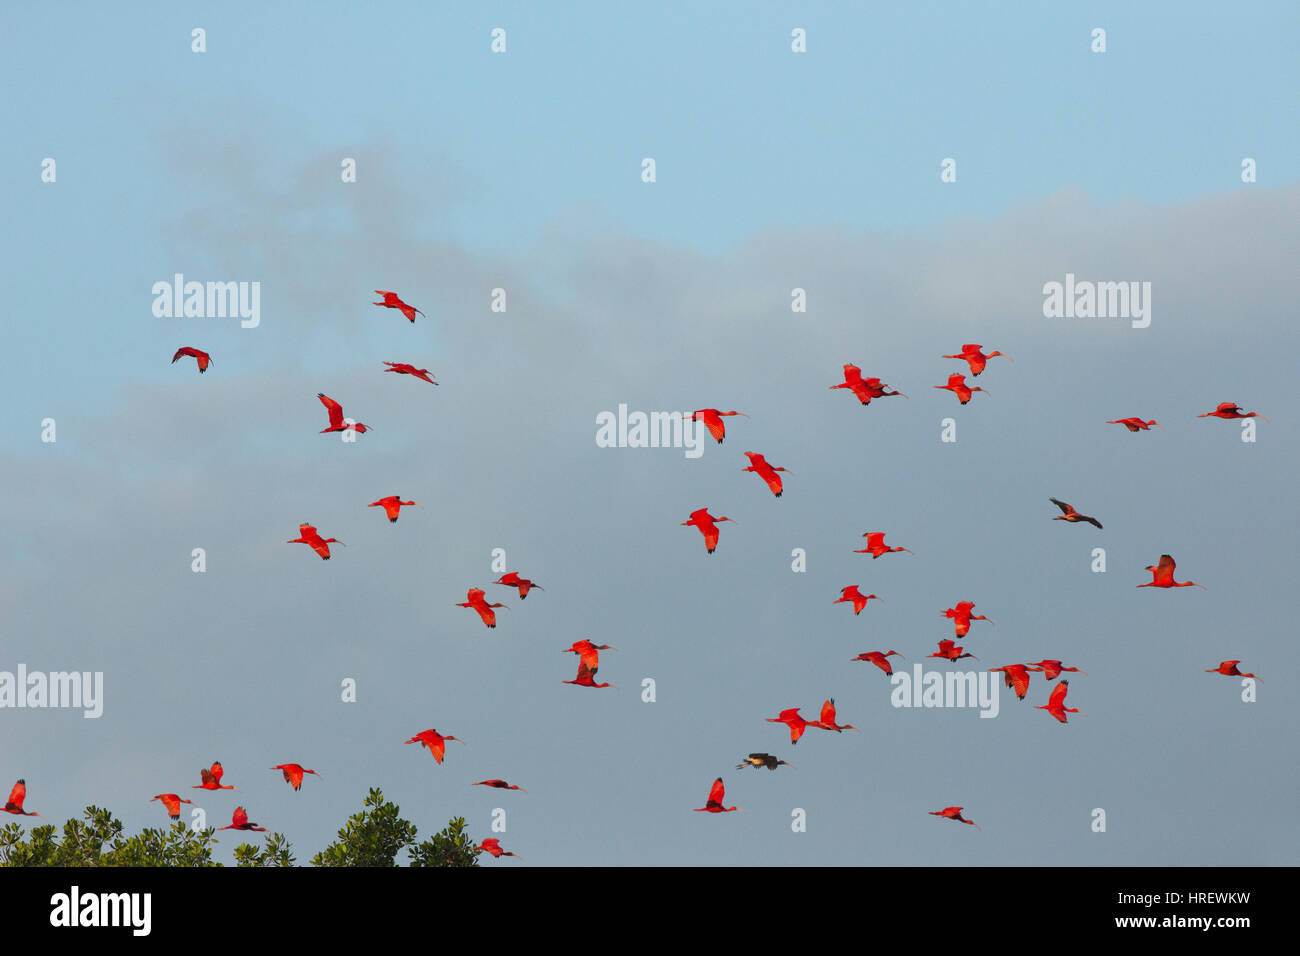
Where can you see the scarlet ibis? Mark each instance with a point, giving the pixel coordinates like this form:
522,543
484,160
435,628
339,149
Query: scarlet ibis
1162,576
949,651
588,653
493,845
708,526
173,803
202,358
1017,677
827,719
239,821
790,717
475,598
716,793
953,813
1052,669
764,760
393,506
336,417
851,593
404,368
877,658
1069,514
498,784
864,389
976,359
212,779
1135,424
392,301
758,464
586,678
1056,703
307,535
961,617
436,742
957,385
1230,668
513,580
15,803
1229,410
293,773
876,545
712,419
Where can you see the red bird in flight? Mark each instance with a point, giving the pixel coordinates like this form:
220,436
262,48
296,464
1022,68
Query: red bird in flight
493,845
708,526
392,301
203,358
1135,424
589,653
957,385
436,742
961,617
513,580
498,784
293,773
792,720
851,593
827,719
758,464
953,813
865,389
1017,677
1230,668
586,677
239,821
714,805
1052,669
393,505
1162,576
307,535
1229,410
172,802
403,368
212,779
876,545
15,803
949,651
336,417
475,598
879,659
1056,703
712,419
976,359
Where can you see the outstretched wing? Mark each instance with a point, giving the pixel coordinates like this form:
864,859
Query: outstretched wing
334,408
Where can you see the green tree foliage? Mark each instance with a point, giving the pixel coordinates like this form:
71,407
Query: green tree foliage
98,841
373,837
452,846
277,852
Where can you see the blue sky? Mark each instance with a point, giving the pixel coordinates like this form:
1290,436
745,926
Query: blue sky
774,170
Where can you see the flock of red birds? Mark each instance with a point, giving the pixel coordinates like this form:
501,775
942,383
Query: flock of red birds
1015,676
